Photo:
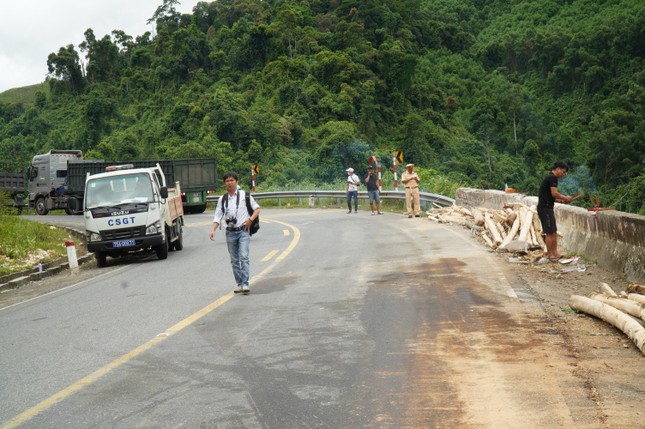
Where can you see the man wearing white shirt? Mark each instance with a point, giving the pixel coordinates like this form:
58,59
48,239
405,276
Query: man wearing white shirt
232,208
352,190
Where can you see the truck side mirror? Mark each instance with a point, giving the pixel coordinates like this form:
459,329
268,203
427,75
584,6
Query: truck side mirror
163,192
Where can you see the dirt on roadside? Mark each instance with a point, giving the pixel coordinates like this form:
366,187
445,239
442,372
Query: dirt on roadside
611,367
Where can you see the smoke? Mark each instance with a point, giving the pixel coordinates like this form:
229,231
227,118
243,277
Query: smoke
577,181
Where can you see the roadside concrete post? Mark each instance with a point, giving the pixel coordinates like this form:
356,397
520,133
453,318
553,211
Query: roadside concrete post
311,200
396,180
71,256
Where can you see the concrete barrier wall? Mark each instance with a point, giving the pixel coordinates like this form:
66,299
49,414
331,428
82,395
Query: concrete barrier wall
614,240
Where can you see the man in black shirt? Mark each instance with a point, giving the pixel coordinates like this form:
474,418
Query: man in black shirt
547,197
372,191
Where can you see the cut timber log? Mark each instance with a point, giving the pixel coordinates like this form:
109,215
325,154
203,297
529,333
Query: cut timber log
487,240
614,317
490,225
501,230
527,221
464,211
516,205
606,289
510,219
636,288
478,216
626,306
501,225
511,234
636,297
532,236
459,220
498,217
538,230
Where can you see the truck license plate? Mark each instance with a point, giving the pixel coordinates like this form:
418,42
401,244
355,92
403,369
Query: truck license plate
123,243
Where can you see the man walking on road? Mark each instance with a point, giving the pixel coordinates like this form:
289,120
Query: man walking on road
410,180
352,190
232,208
371,182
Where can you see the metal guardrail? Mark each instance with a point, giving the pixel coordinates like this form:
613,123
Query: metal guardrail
314,197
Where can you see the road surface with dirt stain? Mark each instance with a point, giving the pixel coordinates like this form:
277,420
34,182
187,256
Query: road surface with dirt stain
459,337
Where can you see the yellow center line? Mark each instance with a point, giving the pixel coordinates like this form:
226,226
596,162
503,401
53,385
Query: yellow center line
294,240
270,255
87,380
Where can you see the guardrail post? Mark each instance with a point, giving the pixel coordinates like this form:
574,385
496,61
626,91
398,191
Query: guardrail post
311,200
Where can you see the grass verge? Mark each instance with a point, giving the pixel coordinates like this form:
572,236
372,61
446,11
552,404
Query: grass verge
25,244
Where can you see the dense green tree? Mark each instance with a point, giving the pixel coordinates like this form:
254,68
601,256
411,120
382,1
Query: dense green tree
99,107
65,74
617,145
165,13
485,93
104,62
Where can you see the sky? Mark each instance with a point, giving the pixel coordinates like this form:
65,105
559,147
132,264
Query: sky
30,30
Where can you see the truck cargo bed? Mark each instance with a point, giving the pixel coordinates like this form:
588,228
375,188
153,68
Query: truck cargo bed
12,182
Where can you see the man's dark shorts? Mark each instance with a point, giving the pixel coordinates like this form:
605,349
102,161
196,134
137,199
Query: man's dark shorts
547,217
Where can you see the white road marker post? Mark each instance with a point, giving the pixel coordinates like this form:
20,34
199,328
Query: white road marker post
396,181
71,256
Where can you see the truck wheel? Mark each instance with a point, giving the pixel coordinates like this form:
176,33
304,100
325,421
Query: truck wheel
179,242
101,259
41,206
72,207
162,251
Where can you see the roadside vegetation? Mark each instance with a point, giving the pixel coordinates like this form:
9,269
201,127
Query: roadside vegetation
486,93
25,95
25,244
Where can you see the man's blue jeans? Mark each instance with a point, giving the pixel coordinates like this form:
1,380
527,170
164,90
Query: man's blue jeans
352,195
238,249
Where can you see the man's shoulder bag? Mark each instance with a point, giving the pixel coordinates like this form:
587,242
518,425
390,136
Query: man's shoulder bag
255,226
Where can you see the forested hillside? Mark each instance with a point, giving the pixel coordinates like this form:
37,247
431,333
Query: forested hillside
485,93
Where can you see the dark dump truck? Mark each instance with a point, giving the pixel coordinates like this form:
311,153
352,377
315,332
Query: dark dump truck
56,180
13,190
197,177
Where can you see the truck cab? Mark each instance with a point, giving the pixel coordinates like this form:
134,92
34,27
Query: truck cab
47,177
130,210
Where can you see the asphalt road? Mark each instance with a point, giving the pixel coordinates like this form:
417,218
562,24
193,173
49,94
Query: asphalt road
353,321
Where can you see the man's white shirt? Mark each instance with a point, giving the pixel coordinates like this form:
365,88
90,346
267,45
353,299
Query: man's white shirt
233,209
351,179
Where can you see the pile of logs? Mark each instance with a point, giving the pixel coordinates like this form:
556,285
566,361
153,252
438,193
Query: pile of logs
515,222
625,311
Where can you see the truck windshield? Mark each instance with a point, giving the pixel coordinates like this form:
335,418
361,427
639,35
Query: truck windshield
116,190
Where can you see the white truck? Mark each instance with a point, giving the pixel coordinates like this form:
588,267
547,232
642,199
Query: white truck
130,210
